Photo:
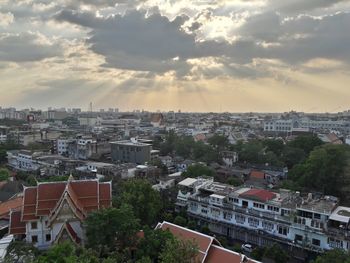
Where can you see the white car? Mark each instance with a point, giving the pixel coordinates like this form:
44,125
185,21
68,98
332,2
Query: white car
247,248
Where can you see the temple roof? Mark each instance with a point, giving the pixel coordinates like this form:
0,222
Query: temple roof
84,195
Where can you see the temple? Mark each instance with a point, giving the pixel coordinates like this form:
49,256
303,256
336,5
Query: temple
54,212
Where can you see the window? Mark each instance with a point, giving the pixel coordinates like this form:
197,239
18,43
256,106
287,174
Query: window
258,205
317,216
273,208
204,211
227,216
253,222
282,230
34,239
34,225
240,219
48,237
298,238
267,226
316,242
235,200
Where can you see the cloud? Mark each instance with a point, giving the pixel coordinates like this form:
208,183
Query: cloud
26,47
301,6
6,19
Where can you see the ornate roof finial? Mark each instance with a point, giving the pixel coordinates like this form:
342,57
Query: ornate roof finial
70,178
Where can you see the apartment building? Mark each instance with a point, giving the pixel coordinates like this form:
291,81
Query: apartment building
131,151
288,125
263,217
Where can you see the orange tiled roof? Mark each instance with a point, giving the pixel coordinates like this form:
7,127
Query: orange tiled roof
44,199
222,255
257,174
7,206
203,241
258,194
17,227
210,250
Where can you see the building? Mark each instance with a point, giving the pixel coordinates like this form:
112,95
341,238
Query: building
131,151
86,148
306,124
55,212
229,158
23,160
262,217
210,249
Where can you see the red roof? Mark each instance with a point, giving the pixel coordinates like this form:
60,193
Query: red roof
7,206
17,227
222,255
210,250
258,194
73,233
45,199
257,174
203,241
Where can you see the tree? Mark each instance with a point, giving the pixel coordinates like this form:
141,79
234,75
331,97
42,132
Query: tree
324,169
179,220
152,244
234,181
20,252
258,253
144,200
179,251
198,170
4,174
274,145
292,156
111,229
333,256
218,141
306,142
276,253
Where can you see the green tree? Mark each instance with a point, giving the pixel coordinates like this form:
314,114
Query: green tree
306,142
4,174
234,181
111,229
258,253
145,201
333,256
292,156
20,252
218,141
274,145
324,169
181,221
179,251
198,170
276,253
152,244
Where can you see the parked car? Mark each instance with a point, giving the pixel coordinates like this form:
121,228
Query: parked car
247,248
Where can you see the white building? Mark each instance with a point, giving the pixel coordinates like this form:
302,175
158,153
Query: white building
23,160
263,217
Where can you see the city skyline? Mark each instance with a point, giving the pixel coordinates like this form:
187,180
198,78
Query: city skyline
196,56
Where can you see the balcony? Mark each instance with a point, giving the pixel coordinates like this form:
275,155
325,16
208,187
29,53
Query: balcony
340,233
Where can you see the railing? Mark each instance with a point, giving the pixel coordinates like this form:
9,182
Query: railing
336,232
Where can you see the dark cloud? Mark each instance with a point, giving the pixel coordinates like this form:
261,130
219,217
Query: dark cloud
302,6
154,43
26,47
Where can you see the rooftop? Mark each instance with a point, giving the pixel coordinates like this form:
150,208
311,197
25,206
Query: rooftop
341,214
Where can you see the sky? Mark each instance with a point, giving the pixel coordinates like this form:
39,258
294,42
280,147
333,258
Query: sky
200,55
